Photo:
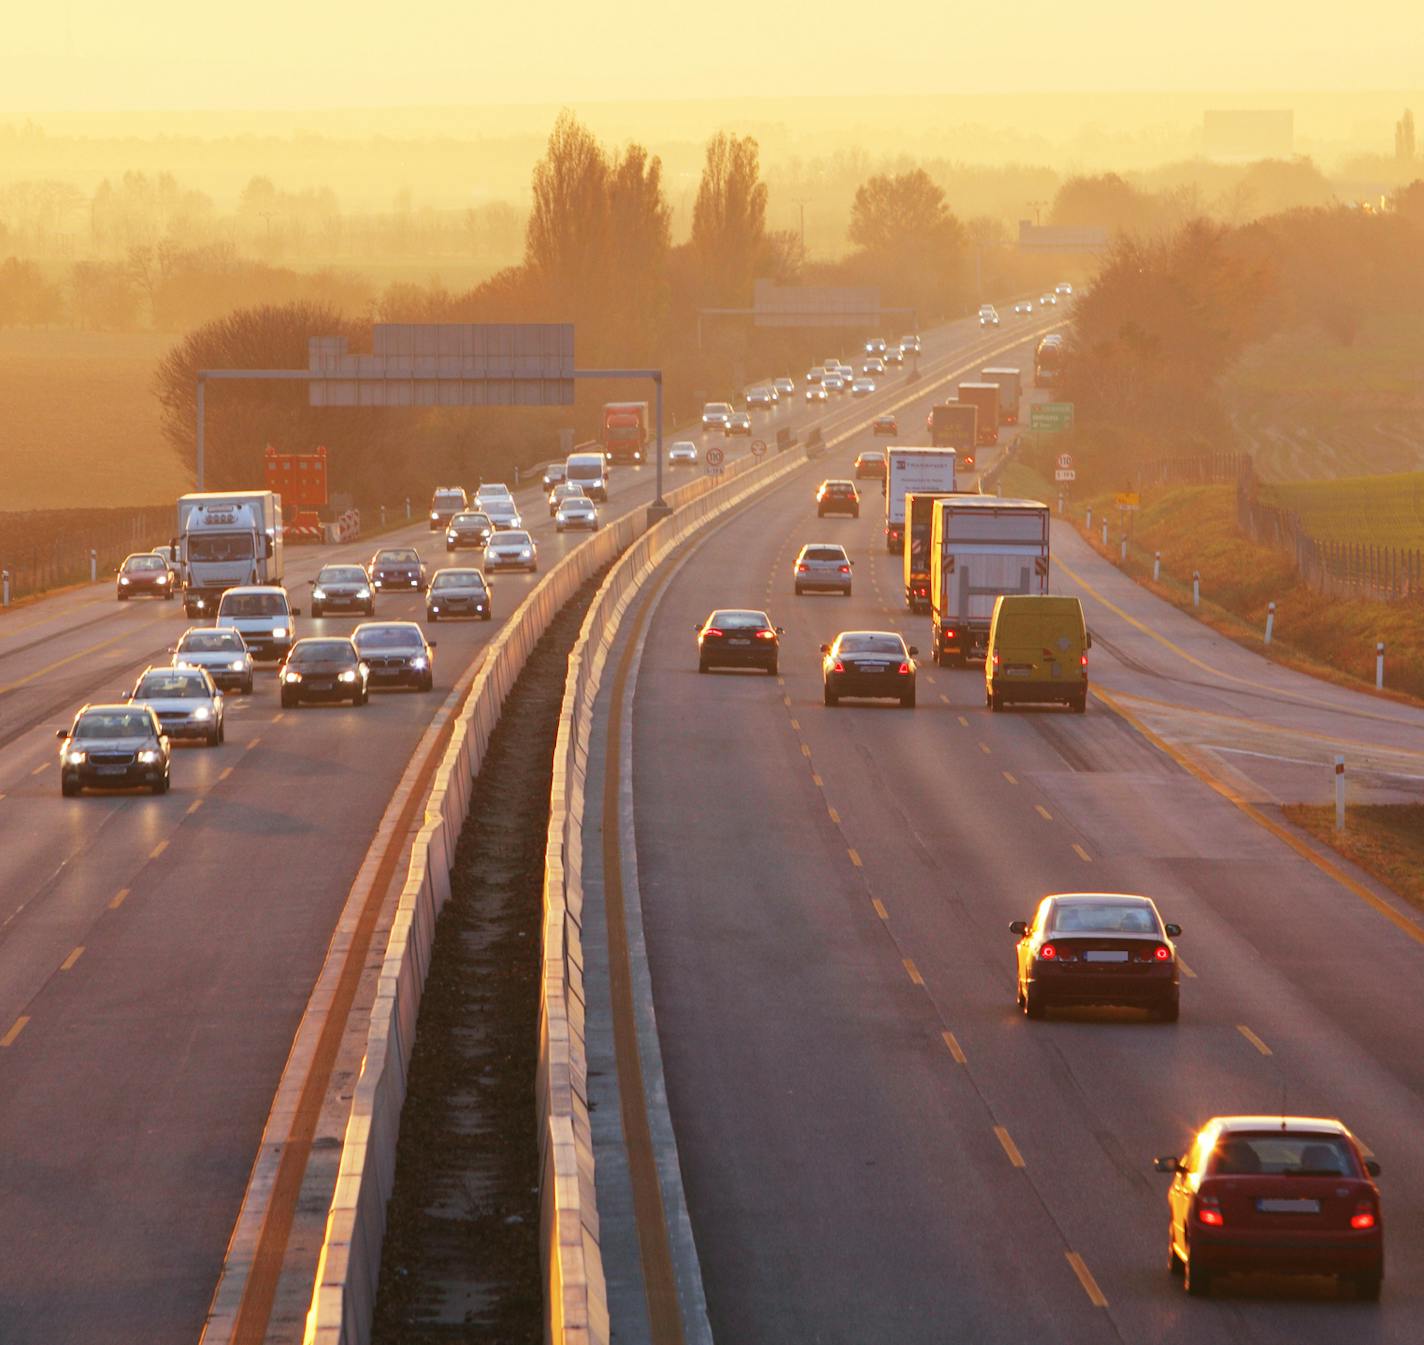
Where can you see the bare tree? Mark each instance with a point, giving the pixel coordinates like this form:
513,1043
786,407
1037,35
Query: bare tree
729,217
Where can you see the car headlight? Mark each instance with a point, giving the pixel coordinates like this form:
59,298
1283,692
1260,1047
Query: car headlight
418,661
122,580
435,607
415,583
450,536
149,755
291,675
279,632
202,712
525,553
318,593
166,579
348,676
237,665
76,757
363,593
435,516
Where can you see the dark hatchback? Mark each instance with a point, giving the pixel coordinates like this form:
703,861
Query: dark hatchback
874,664
470,530
1097,948
396,568
838,497
396,654
342,588
732,638
459,592
320,668
113,747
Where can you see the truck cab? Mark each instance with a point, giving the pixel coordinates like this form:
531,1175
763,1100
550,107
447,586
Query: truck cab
226,541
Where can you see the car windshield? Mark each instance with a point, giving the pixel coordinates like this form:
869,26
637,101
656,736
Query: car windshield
1105,917
170,685
739,620
577,505
471,521
389,637
323,651
114,724
144,563
342,574
253,604
496,489
449,497
211,642
501,509
569,490
402,557
1279,1154
514,539
458,579
716,408
220,546
872,644
823,553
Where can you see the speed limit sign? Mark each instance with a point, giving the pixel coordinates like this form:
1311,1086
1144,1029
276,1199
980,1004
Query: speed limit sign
715,456
758,447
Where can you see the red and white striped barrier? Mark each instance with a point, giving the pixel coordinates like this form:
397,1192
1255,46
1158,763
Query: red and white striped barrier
295,534
347,528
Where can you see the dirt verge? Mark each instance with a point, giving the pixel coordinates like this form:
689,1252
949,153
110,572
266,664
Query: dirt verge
1384,839
461,1255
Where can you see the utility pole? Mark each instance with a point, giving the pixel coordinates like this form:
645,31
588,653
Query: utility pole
1036,206
802,203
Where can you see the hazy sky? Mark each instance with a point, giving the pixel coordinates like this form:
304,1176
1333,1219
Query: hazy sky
97,54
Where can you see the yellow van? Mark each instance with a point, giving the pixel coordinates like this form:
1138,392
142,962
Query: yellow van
1038,651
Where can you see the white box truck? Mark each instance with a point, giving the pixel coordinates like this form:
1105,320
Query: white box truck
981,547
1010,381
925,471
226,539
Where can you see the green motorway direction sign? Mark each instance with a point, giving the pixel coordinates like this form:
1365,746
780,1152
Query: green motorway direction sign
1051,416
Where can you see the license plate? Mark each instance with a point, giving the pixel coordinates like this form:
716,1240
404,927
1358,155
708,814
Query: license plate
1288,1206
871,668
315,685
1106,955
739,640
110,770
1017,672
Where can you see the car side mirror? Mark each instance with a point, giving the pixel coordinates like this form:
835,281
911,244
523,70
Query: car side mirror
433,643
294,611
311,583
1169,1163
914,649
781,630
1019,927
61,734
1372,1167
1089,644
1174,930
825,649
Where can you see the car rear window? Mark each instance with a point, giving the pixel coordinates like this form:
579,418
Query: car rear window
740,620
823,553
1280,1154
1085,917
872,644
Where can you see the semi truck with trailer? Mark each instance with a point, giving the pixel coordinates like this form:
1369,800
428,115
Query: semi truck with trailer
984,398
955,425
981,547
626,431
1010,381
907,470
225,539
919,523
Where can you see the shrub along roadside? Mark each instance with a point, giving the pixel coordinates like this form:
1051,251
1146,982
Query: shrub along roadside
1384,839
1194,527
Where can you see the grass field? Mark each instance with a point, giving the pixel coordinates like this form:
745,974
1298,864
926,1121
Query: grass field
1307,407
80,423
1383,510
1386,840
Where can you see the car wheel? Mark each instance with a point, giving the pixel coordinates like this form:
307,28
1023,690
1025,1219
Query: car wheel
907,702
448,547
701,666
360,697
68,786
996,702
122,597
317,609
1169,1011
1196,1281
432,617
161,786
371,609
1174,1262
214,736
429,683
247,687
487,616
288,700
1080,703
830,696
169,596
845,593
772,667
1035,1003
1368,1286
798,590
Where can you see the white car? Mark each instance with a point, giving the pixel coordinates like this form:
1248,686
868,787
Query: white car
875,346
503,514
873,367
814,376
784,387
988,315
761,397
222,654
682,454
1048,301
512,550
862,387
494,490
1063,287
833,383
263,615
186,701
894,355
577,512
715,416
817,393
910,344
1024,307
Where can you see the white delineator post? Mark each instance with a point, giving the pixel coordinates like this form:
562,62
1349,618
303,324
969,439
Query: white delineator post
1270,621
1089,524
1379,665
1156,566
93,566
1339,793
1124,550
1196,588
407,506
4,588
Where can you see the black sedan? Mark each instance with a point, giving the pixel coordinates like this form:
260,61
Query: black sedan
342,588
1097,948
874,664
731,638
468,530
396,653
397,567
322,668
837,497
459,592
113,747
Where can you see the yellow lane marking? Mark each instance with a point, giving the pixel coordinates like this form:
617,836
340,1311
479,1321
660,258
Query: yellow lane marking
1331,870
855,859
1043,812
226,771
68,963
17,1027
786,701
253,743
880,908
805,751
815,779
963,723
118,899
1186,970
796,726
1085,1277
835,816
913,971
1081,853
158,849
944,698
60,663
984,748
955,1049
1010,1148
781,681
277,718
1010,777
1253,1039
39,768
194,806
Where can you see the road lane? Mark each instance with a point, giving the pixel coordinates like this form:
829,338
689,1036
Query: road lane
779,840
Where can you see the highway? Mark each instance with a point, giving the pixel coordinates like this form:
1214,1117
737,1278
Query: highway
875,1143
156,954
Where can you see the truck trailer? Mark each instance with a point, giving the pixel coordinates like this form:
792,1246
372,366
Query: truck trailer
981,547
626,430
954,425
919,525
226,539
1010,381
912,469
984,397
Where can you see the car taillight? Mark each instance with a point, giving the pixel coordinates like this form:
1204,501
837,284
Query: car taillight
1209,1212
1162,953
998,659
801,569
904,670
1363,1217
1048,952
711,631
766,635
838,666
845,569
949,635
1083,660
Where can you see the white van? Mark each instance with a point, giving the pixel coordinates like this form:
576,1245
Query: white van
590,471
264,618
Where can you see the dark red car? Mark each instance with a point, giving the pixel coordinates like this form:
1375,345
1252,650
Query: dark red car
1279,1194
885,425
870,464
732,638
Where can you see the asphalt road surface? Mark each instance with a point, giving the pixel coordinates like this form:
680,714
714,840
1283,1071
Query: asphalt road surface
876,1145
156,954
